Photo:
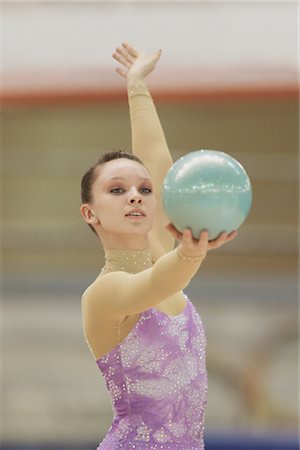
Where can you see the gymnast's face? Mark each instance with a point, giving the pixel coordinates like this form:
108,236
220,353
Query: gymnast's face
123,198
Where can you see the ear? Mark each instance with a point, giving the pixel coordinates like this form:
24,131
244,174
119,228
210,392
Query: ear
87,214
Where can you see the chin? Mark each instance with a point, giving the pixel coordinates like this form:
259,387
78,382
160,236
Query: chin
131,228
138,230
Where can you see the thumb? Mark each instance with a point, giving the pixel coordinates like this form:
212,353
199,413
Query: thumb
175,233
157,54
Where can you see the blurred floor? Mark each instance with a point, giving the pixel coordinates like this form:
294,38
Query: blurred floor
212,442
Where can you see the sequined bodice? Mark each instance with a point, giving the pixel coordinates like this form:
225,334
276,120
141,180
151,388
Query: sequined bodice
158,383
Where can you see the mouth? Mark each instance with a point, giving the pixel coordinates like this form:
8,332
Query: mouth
136,213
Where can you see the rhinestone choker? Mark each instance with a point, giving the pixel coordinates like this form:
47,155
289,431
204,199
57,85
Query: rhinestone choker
131,261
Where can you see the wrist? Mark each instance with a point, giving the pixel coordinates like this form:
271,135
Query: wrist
137,89
189,258
135,80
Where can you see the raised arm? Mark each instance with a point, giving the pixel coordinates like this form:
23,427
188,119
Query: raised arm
148,139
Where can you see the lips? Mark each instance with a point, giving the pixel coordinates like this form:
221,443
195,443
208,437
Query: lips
135,213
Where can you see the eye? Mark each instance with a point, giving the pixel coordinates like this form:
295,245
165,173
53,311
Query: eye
117,191
146,190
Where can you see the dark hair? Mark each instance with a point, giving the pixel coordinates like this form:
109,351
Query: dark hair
90,176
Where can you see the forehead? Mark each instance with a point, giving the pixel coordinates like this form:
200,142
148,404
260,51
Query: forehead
121,168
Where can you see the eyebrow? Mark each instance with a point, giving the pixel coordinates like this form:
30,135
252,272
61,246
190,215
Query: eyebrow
122,178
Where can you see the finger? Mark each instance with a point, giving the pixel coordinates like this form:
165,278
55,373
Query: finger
222,236
187,236
231,236
121,60
125,54
203,235
121,72
219,240
177,234
133,51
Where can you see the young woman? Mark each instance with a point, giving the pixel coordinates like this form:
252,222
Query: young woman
144,333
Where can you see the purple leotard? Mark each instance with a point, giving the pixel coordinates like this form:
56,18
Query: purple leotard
157,380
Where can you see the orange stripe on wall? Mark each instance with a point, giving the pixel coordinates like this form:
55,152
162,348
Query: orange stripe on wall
53,97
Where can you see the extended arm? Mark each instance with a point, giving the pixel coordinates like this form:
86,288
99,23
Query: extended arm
148,139
118,294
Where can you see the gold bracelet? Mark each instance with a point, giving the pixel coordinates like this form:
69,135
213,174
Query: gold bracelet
186,258
137,89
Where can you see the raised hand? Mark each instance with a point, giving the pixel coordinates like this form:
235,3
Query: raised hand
199,247
136,64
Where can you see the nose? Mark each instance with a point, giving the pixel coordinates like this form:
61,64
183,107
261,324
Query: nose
135,197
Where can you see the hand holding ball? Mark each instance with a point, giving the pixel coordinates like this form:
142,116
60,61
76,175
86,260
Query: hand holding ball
207,190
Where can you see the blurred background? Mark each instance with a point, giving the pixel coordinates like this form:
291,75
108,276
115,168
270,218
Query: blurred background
227,81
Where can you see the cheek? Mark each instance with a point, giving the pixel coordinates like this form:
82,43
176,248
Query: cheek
107,205
154,203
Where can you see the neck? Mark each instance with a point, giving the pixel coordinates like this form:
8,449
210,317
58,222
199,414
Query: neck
111,240
127,260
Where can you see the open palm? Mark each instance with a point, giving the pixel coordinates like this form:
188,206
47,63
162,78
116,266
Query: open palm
135,63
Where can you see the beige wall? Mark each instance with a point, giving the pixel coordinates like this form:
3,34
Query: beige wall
47,149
